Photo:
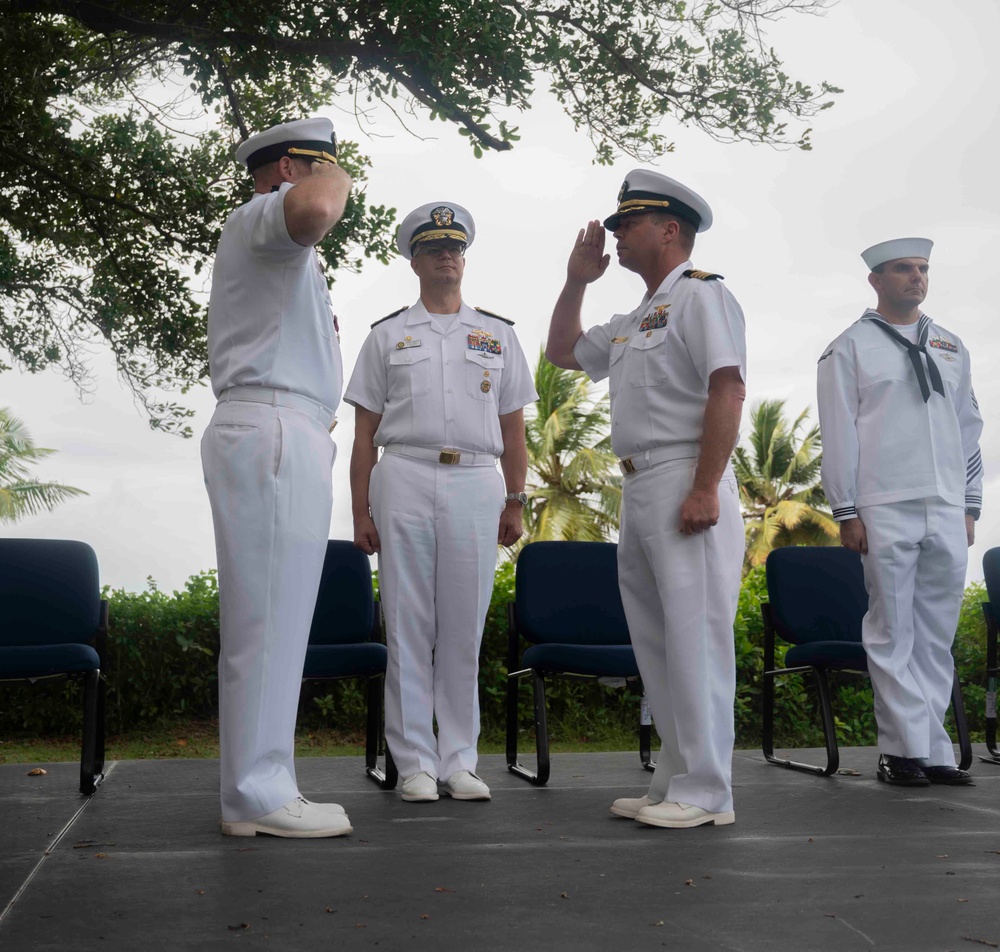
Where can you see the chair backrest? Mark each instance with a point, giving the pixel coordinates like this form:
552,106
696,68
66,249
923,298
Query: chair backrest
567,593
50,592
345,606
817,593
991,572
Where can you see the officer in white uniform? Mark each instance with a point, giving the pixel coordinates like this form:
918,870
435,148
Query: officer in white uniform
267,455
677,368
441,387
904,476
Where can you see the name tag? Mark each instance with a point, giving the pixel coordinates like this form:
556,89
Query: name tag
405,344
619,340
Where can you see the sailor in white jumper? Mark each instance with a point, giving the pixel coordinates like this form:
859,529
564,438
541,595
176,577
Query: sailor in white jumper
903,474
677,366
267,455
441,386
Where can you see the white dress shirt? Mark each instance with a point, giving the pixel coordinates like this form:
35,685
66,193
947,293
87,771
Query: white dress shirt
660,374
881,442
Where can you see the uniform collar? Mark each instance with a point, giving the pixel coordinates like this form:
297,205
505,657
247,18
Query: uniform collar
667,284
872,315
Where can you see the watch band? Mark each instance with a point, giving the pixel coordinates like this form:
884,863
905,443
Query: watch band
522,498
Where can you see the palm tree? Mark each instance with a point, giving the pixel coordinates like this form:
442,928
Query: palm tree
574,487
778,475
21,496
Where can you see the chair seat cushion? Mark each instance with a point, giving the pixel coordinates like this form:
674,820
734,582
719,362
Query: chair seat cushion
847,655
610,661
41,661
345,661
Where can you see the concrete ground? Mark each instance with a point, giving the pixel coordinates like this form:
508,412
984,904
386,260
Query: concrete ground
840,863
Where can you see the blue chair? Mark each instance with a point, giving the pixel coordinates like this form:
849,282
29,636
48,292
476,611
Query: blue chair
816,602
991,611
55,624
345,641
568,607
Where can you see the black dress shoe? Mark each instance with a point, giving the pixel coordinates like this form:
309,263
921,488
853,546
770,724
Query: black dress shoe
952,775
903,771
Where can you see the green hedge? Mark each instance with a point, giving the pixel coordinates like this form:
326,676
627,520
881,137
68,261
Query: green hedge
163,651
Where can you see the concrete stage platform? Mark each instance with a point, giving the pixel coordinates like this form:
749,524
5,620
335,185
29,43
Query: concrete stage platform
843,863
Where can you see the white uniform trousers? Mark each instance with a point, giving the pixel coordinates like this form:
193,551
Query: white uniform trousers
437,526
915,576
268,473
680,595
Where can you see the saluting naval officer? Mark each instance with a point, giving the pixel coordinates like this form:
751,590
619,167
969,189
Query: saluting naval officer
677,368
441,387
904,477
267,454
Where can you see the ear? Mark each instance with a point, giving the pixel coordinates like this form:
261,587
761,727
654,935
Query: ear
413,265
286,168
671,230
875,280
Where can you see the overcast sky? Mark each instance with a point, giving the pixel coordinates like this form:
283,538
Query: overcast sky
910,149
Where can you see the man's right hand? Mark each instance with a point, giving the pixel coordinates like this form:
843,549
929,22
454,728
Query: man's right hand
853,536
366,535
587,261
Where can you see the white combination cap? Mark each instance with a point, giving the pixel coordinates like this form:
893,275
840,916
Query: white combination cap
311,139
647,191
897,248
436,221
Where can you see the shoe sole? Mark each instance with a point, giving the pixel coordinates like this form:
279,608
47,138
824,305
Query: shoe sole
249,828
419,797
628,814
713,819
467,796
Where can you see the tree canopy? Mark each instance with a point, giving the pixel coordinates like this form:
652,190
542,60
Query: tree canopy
115,186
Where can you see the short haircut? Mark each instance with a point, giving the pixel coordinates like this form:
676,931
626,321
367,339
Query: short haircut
687,229
879,268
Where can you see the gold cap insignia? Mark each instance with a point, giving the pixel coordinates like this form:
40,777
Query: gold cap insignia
443,216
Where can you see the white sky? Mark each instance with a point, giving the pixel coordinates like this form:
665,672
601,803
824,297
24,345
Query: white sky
910,148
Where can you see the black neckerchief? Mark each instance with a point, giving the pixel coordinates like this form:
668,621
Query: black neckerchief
913,352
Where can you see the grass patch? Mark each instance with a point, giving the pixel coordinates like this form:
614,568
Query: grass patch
200,740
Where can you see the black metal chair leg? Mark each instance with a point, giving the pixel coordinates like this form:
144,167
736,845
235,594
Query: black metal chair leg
541,776
374,740
90,770
645,735
826,714
961,725
992,676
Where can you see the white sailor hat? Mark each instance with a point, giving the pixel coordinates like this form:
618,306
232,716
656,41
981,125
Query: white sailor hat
435,221
647,191
897,248
312,139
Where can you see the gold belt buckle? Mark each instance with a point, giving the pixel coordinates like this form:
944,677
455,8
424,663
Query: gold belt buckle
449,457
627,466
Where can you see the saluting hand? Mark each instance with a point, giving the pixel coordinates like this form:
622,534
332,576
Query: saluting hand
587,261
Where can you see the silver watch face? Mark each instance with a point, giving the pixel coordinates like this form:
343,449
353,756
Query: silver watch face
522,498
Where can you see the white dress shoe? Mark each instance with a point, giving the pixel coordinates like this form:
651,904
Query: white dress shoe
680,816
420,787
629,807
297,819
327,807
465,785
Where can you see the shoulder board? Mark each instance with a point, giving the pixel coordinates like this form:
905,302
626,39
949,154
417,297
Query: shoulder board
702,275
482,310
393,314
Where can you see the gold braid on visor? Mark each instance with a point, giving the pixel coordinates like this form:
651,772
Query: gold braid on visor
438,234
638,204
313,154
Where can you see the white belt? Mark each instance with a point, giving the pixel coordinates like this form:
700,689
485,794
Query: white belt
659,454
446,456
281,398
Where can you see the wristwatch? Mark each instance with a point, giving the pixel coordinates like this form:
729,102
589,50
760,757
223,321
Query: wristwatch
522,498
